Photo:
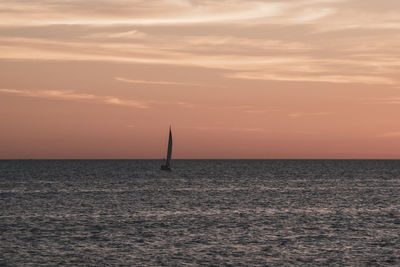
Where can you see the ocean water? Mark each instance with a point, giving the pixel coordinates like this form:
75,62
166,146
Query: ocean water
205,212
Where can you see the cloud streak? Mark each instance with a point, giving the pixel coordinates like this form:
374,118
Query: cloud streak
308,77
125,80
302,114
390,135
231,129
295,46
162,12
392,100
303,64
72,96
91,98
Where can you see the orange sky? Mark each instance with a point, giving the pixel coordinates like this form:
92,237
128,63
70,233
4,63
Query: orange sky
236,79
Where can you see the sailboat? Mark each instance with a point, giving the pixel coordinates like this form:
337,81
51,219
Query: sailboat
167,165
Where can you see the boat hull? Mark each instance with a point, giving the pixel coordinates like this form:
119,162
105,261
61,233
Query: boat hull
165,168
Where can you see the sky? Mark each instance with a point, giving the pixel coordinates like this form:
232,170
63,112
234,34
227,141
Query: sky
235,79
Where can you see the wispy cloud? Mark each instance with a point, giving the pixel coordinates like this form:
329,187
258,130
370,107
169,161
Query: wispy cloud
253,130
70,95
389,135
394,100
303,114
110,100
308,77
185,104
133,34
162,12
307,40
231,129
125,80
251,109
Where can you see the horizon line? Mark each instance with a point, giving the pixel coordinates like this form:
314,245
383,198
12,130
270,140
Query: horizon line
5,159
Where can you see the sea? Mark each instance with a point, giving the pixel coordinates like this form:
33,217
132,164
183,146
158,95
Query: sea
203,213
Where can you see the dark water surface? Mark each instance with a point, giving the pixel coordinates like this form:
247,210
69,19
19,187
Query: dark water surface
238,213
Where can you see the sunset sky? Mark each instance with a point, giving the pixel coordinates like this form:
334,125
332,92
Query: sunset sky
234,78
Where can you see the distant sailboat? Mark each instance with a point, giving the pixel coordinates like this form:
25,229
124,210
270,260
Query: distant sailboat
167,165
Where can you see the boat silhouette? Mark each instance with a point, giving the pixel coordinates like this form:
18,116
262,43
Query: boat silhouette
167,165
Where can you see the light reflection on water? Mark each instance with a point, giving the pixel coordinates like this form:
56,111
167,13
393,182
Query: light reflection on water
203,213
